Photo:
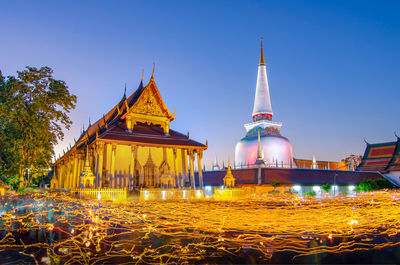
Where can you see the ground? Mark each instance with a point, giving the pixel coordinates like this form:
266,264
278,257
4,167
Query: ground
283,228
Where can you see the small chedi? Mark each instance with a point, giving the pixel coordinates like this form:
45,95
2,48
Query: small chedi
132,146
229,180
276,150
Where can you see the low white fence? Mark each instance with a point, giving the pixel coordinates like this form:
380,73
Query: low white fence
102,194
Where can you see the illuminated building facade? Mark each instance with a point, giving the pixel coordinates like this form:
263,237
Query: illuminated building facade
132,146
319,164
276,149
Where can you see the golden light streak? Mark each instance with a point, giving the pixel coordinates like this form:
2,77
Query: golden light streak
60,229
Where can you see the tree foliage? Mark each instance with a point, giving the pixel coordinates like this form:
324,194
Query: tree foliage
375,184
34,109
275,184
310,193
326,187
353,161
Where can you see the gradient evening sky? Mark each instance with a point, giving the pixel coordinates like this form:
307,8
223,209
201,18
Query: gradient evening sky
333,66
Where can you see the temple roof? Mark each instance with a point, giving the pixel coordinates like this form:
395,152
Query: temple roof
394,164
147,134
112,116
112,126
381,157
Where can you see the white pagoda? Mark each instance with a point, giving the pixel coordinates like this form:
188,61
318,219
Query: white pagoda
276,149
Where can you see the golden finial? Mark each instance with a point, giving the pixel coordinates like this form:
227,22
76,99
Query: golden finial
126,104
262,62
154,66
142,74
173,115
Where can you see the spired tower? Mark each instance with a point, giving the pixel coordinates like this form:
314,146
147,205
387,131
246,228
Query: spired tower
263,133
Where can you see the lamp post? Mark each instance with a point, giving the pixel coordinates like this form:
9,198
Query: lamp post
28,169
334,184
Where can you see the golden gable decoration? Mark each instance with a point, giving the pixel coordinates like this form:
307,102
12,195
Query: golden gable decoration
149,109
147,104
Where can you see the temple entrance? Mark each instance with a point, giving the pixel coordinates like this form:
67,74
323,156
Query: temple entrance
166,179
149,176
149,171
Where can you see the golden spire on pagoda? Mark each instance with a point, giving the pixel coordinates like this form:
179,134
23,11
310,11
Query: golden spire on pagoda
262,62
260,159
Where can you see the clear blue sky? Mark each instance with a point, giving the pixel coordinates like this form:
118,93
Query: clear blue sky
333,66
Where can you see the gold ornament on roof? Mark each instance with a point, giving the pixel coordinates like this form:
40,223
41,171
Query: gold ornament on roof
148,105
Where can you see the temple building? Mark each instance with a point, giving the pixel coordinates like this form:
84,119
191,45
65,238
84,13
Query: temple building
131,146
320,164
276,150
383,158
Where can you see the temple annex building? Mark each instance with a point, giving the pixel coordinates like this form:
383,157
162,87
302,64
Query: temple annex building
131,146
383,158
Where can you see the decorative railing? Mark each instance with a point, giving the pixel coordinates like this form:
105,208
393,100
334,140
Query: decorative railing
174,194
102,194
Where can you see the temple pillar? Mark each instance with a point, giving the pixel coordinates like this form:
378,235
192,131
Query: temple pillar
93,159
146,177
112,173
191,159
184,167
65,178
199,158
60,174
132,167
142,177
75,171
63,172
99,164
176,178
157,177
70,172
80,168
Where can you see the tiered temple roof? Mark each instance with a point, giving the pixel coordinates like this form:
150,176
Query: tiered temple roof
381,157
144,103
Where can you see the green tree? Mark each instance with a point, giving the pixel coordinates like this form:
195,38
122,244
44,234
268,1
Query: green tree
310,193
326,187
275,184
34,109
375,184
